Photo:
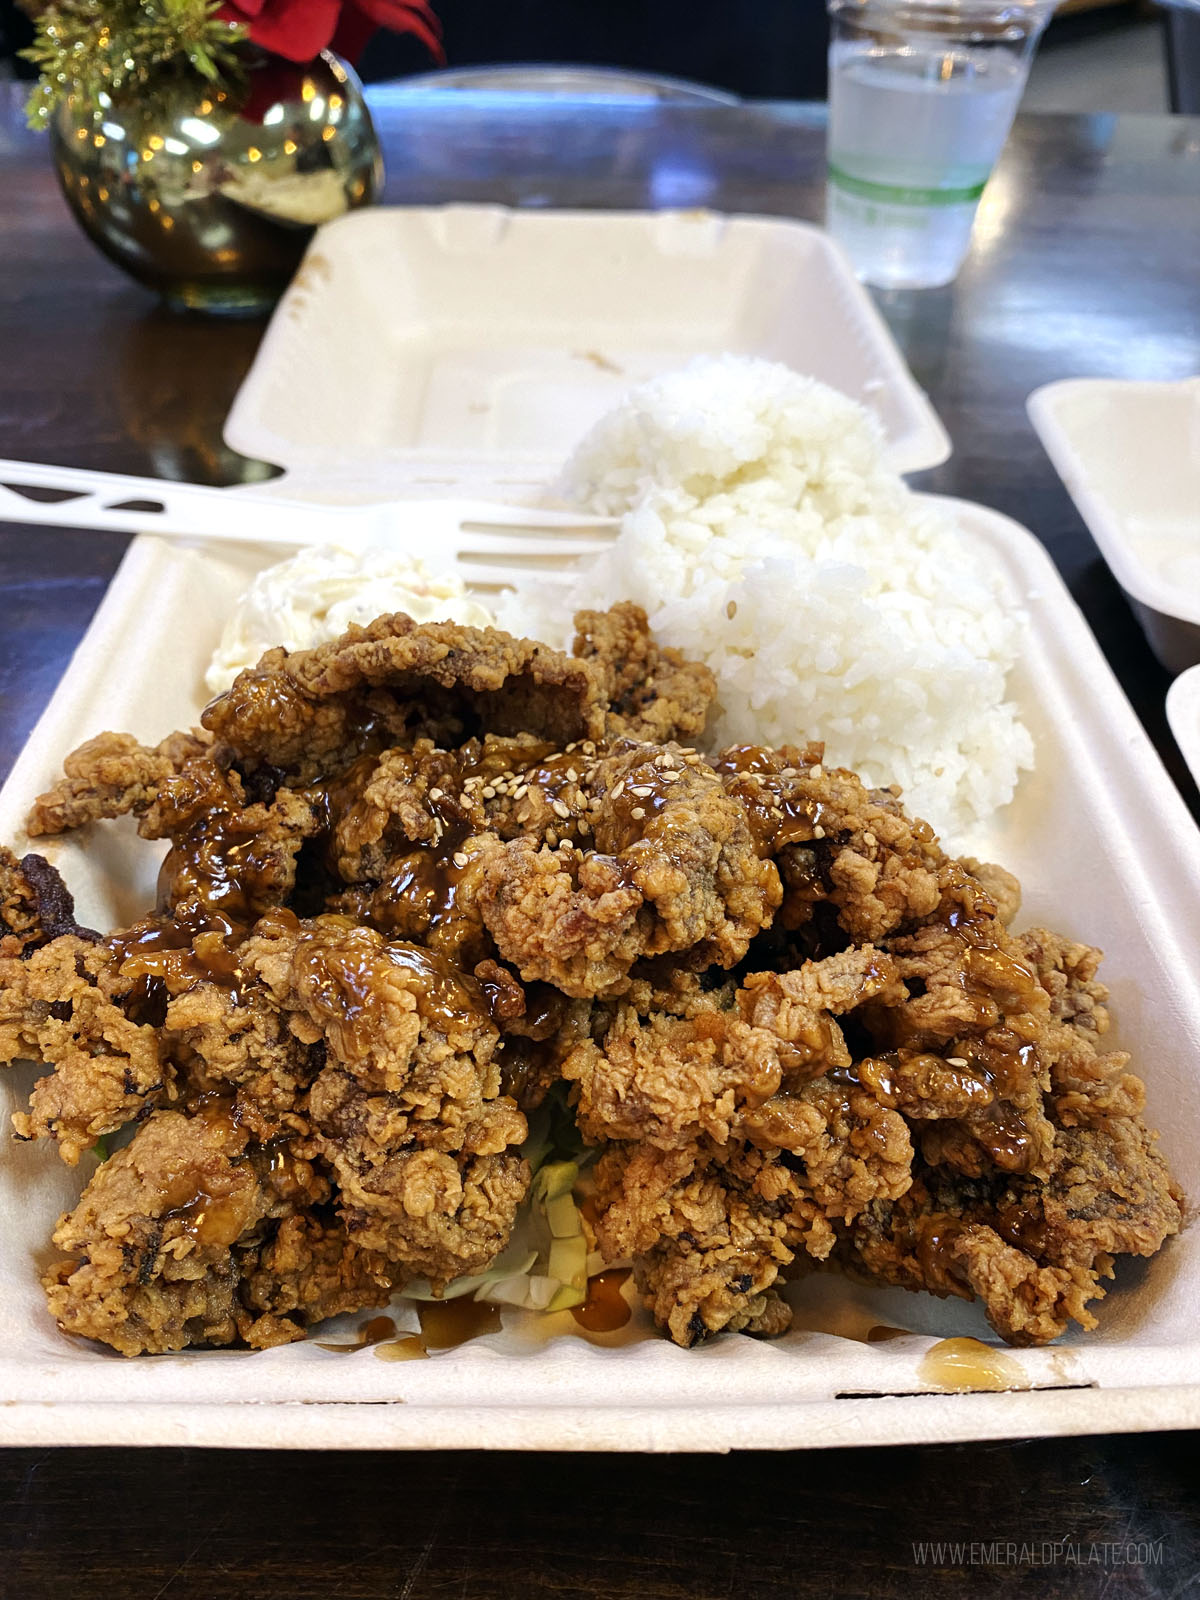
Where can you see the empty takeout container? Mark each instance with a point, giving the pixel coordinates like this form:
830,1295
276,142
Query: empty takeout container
1129,454
466,349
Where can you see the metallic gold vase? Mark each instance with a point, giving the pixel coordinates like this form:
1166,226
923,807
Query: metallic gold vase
212,198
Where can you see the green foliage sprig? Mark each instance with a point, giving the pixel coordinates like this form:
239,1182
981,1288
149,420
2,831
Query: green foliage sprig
127,50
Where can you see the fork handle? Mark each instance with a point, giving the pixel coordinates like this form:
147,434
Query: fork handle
100,501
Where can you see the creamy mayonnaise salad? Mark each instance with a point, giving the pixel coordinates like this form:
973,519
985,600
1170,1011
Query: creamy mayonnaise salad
315,595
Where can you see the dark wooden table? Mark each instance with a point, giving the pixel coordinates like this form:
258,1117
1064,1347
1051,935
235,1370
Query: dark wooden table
1085,262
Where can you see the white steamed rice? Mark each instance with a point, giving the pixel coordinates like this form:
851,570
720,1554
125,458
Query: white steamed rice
764,535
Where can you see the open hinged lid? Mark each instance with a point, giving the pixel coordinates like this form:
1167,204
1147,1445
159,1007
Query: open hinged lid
431,350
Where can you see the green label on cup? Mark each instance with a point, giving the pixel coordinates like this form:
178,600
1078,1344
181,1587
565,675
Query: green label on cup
899,195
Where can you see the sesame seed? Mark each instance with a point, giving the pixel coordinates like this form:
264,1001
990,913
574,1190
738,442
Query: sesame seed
464,800
818,832
638,813
584,825
560,809
642,790
489,791
957,1061
460,859
816,772
520,791
572,775
618,789
435,794
671,777
870,839
552,838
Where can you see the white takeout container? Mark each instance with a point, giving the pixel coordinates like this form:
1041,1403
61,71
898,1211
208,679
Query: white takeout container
1183,714
466,349
1129,454
1106,852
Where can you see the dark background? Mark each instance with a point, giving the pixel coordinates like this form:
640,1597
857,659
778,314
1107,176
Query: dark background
188,1525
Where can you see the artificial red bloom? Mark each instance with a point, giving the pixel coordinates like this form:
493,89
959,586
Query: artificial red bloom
300,29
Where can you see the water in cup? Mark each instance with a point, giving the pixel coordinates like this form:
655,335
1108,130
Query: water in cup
922,94
913,136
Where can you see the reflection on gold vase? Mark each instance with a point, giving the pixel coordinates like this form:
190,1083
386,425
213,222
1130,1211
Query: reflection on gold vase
211,199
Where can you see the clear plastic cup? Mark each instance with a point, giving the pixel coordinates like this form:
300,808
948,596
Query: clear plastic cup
922,94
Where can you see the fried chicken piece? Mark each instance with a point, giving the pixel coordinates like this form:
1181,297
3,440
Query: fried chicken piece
35,905
673,869
229,860
1032,1251
150,1265
312,711
408,1112
841,842
653,692
738,1109
707,1235
62,1005
235,1041
1088,1085
976,1004
669,1080
383,806
1000,886
109,776
308,1269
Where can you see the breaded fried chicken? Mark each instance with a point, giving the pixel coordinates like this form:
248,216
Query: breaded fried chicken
418,877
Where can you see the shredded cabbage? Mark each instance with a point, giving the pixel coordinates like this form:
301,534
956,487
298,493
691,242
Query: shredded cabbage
545,1265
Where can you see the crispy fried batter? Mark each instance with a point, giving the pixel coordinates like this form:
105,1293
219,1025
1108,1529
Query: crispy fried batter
62,1006
35,905
408,1111
672,869
1033,1252
653,693
309,712
109,776
150,1265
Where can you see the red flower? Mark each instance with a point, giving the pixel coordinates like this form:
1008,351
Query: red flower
301,29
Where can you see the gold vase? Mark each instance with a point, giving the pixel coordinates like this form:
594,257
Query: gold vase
211,198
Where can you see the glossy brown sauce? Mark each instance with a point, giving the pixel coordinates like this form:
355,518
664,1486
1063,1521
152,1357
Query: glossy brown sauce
343,971
1022,1226
421,895
374,1331
220,864
881,1333
409,1348
210,1219
445,1324
606,1308
959,1365
898,1077
934,1243
556,777
194,946
778,815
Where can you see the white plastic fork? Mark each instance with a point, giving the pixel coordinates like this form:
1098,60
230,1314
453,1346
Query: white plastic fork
491,545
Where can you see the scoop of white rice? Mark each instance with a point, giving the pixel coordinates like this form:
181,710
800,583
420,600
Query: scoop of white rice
763,533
